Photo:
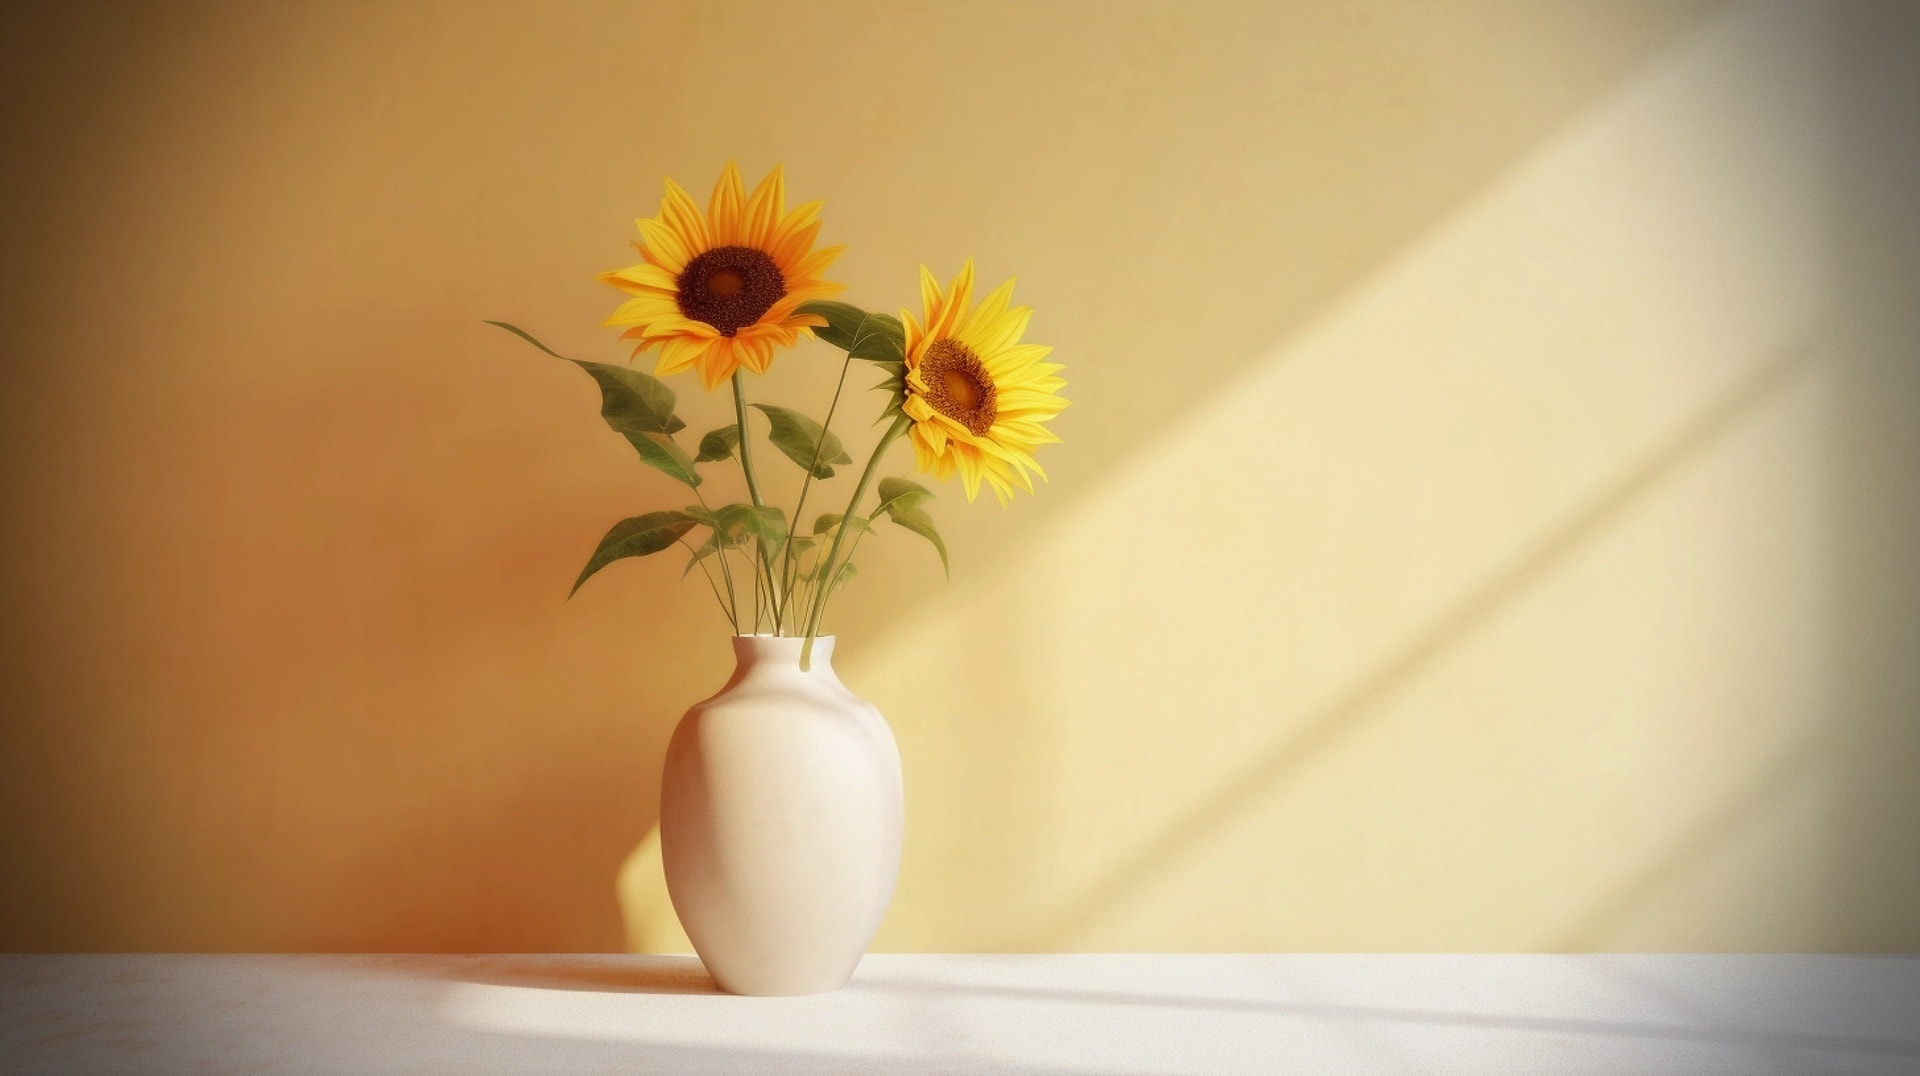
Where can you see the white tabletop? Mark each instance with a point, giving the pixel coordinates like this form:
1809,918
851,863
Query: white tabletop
1069,1014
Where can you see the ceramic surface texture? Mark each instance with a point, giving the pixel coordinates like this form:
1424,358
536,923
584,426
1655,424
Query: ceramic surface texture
780,822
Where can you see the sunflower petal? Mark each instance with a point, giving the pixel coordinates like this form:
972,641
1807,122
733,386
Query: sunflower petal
764,209
724,209
665,246
677,208
717,364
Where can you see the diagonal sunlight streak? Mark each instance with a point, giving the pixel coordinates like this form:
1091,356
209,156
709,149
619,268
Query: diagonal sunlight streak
1449,629
1336,536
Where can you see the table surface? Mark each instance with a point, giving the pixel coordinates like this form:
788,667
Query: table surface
925,1013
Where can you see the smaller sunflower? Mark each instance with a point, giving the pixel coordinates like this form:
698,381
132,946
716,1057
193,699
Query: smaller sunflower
978,397
717,291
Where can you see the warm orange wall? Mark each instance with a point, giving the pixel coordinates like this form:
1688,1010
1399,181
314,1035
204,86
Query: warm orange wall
288,664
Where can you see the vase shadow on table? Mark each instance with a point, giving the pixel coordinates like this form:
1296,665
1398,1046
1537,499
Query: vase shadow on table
590,972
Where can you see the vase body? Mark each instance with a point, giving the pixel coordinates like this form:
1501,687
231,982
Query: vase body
780,819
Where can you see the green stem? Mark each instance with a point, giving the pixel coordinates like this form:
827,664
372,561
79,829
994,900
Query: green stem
753,486
787,563
900,424
713,586
733,601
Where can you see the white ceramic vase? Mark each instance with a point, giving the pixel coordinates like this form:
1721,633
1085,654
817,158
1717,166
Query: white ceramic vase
780,821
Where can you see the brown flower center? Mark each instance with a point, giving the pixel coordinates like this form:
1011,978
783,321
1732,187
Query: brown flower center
958,386
730,287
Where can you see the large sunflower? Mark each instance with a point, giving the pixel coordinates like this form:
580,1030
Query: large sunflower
718,290
978,397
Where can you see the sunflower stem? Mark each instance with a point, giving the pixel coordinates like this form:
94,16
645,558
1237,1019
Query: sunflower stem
900,424
733,602
788,563
753,494
713,586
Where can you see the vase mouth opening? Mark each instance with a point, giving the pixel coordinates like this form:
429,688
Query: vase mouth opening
780,648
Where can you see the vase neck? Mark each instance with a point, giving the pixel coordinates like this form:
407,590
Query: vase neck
780,651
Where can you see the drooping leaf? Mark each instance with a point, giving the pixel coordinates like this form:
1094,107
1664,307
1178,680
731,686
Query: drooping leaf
847,571
901,495
919,522
639,536
799,544
718,444
528,337
804,441
657,450
631,401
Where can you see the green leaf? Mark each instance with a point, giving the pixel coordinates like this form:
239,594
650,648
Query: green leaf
895,386
718,444
847,572
804,441
901,495
829,520
659,451
631,401
843,321
637,537
767,523
919,522
800,544
880,338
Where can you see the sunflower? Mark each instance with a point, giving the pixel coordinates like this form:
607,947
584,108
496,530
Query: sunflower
718,290
979,399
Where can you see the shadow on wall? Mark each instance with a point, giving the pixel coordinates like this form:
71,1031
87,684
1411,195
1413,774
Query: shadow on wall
290,669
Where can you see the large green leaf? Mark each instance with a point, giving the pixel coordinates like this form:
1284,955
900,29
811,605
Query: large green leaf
901,495
804,441
919,522
631,401
843,321
879,337
718,444
659,451
637,537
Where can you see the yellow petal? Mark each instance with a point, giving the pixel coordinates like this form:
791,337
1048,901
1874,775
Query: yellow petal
811,266
718,363
764,210
678,209
723,210
959,298
678,353
929,296
665,246
971,331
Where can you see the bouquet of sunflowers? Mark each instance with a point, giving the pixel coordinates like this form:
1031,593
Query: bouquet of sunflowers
719,293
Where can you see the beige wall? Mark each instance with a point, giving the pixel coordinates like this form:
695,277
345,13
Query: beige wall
1486,519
